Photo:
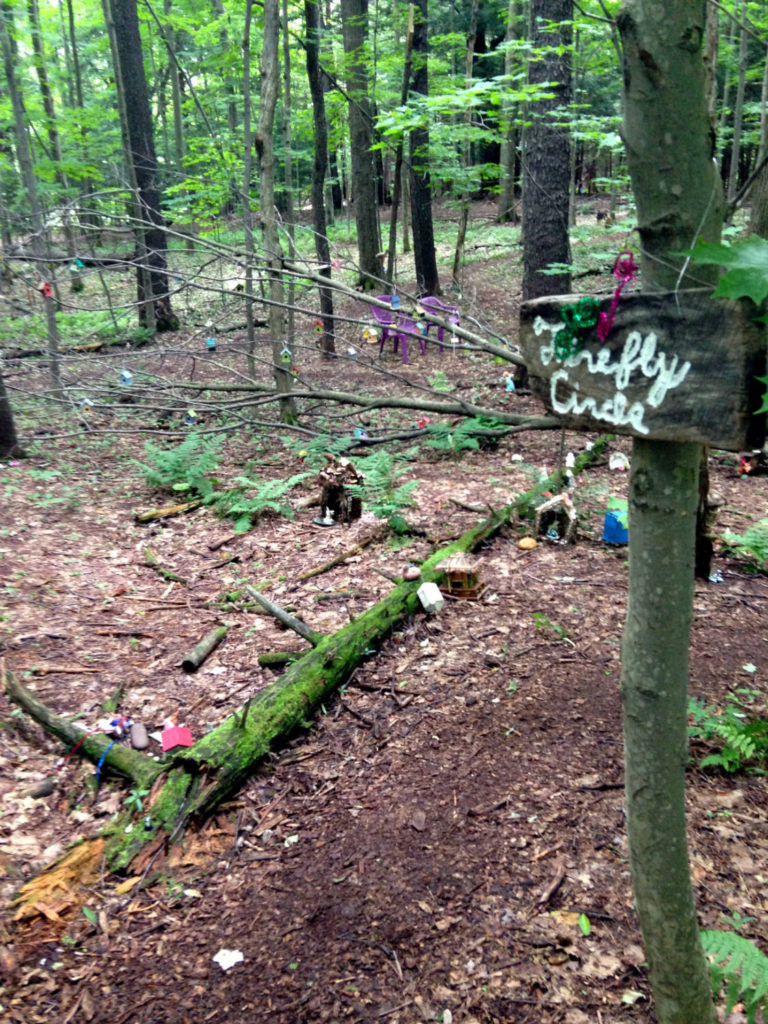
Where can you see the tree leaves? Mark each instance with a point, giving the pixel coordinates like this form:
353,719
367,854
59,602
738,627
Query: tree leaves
746,275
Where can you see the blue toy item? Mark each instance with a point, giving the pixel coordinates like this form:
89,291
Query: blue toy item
210,343
614,531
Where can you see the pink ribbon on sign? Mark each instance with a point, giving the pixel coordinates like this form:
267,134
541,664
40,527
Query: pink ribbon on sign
625,271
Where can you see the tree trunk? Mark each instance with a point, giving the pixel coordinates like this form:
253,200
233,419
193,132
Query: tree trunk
507,161
738,109
24,157
142,154
9,444
270,69
546,153
322,248
397,176
458,256
678,196
425,259
354,15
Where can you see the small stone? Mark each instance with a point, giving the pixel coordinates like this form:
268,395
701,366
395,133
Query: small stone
412,572
38,790
527,544
139,737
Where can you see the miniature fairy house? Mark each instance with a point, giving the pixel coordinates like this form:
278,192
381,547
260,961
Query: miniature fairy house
461,576
337,505
556,518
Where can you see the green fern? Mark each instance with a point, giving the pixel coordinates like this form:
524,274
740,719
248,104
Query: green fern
743,737
460,438
752,545
740,968
252,498
381,492
187,467
314,452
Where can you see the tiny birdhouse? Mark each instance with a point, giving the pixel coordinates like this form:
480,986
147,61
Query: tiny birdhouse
126,377
285,356
210,344
461,578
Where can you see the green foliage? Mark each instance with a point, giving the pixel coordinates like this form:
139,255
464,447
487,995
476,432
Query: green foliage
545,625
381,491
753,544
739,968
438,381
247,502
746,275
741,735
135,799
314,452
185,468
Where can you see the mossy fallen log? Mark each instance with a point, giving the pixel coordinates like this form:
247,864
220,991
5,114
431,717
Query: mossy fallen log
196,780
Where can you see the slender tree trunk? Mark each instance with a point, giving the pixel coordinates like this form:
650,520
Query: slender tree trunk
458,256
354,14
87,214
678,196
142,152
322,248
397,182
738,109
507,162
289,206
250,248
425,259
270,71
24,157
546,153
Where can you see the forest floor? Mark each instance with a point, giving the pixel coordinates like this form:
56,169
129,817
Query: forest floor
447,841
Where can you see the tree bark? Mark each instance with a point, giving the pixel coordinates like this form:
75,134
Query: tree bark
270,68
322,247
679,198
9,445
738,108
546,153
26,167
458,256
397,175
354,15
425,259
507,161
141,142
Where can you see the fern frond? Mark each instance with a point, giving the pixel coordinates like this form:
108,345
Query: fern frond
739,964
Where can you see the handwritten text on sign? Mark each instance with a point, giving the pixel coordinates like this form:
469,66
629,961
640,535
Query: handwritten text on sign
675,366
637,353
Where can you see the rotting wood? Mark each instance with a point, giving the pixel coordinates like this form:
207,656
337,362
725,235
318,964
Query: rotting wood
304,631
341,557
150,560
278,659
192,661
197,779
168,511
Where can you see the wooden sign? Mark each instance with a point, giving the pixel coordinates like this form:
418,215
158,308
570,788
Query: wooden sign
676,366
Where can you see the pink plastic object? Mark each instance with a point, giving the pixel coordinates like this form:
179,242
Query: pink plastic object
177,736
442,309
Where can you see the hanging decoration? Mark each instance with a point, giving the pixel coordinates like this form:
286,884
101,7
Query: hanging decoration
285,356
210,344
578,319
319,327
46,290
625,271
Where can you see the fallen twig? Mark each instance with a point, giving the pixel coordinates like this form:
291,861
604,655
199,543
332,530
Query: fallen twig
338,559
192,661
169,510
282,616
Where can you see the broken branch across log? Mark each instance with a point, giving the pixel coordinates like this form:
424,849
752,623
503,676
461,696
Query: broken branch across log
282,615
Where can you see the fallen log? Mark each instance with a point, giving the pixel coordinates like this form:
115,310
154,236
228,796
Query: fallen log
192,661
198,779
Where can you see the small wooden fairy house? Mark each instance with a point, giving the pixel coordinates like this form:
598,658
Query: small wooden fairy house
556,518
461,578
337,504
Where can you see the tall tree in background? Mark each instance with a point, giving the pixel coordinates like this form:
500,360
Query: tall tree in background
354,17
24,156
678,195
322,248
547,151
425,259
507,155
154,297
270,74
